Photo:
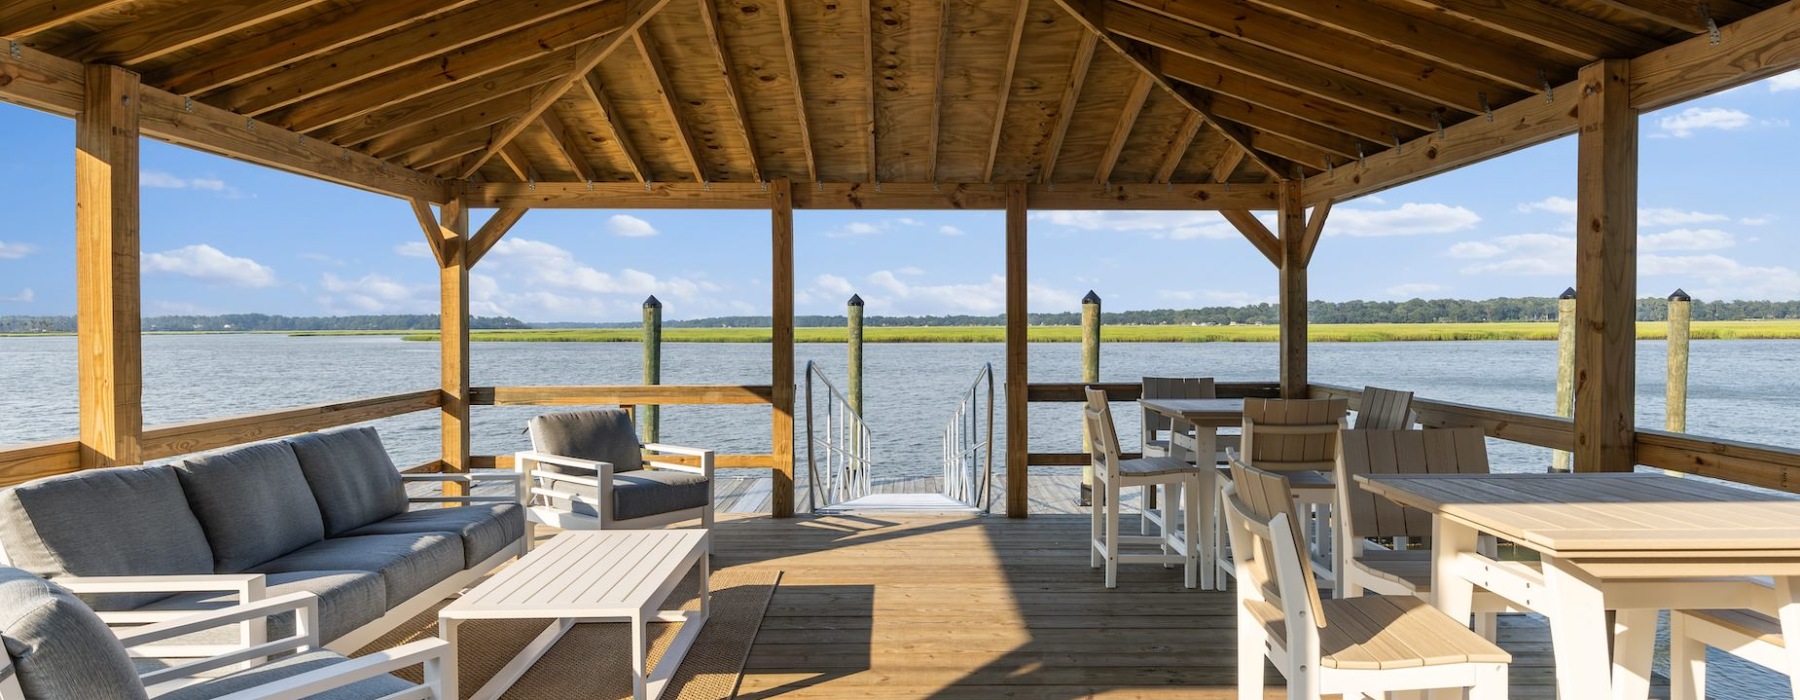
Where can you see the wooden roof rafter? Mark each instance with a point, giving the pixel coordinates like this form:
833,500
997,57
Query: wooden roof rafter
1078,72
1577,35
1134,106
1178,147
1694,17
665,93
784,15
709,16
590,87
1279,97
413,113
940,59
568,145
183,27
21,18
868,128
1020,14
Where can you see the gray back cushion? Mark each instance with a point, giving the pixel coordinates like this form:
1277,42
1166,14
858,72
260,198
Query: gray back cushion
605,435
253,503
129,521
352,477
58,646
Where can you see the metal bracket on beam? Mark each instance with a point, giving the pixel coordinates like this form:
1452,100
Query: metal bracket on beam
12,47
1549,93
1485,107
1712,28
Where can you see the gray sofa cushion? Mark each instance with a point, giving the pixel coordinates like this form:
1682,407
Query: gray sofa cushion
253,503
377,687
58,646
408,564
347,600
352,477
654,492
129,521
485,528
605,435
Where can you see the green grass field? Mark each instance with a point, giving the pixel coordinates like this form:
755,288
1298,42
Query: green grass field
1324,333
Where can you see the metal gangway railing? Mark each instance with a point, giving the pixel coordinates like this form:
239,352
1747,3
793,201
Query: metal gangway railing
969,445
842,439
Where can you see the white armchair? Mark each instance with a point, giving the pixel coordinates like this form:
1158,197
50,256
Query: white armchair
587,471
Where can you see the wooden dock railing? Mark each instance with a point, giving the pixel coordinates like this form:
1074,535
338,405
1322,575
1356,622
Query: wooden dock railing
1072,392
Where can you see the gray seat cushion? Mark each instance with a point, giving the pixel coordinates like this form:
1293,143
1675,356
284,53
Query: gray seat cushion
408,563
485,528
58,646
347,600
377,687
605,435
654,492
128,521
253,503
352,477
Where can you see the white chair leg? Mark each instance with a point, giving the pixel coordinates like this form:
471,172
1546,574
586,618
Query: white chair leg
1095,535
1112,536
1190,539
1144,508
1687,661
1171,514
1250,651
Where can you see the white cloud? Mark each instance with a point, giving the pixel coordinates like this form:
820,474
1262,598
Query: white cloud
1685,123
1785,82
206,263
328,260
25,296
1409,219
1524,254
1214,297
856,229
166,181
630,226
914,271
537,280
949,230
989,297
1686,239
1664,216
413,249
14,251
1167,225
374,294
1415,289
1474,250
546,265
835,285
1555,205
1763,220
1718,277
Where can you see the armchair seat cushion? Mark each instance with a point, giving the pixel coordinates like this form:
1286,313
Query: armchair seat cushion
407,563
371,689
649,492
486,529
347,600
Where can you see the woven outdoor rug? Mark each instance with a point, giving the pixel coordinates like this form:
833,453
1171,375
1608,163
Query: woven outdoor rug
593,660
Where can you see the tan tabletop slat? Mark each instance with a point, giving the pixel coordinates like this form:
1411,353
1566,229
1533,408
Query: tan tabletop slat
1217,413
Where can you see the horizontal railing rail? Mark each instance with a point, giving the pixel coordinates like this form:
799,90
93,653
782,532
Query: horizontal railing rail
1515,426
1074,392
628,395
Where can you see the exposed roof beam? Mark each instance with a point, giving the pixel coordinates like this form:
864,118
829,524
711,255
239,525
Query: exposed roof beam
415,43
1022,7
1228,163
449,150
590,87
1322,139
868,129
270,49
1064,196
666,91
1279,97
937,89
1300,154
1258,62
457,97
709,16
1685,15
1365,21
1325,47
491,232
516,162
1570,32
1078,70
1178,147
1134,106
23,18
568,142
462,121
793,63
637,13
174,29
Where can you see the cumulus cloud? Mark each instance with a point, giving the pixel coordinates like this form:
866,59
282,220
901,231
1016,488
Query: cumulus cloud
1409,219
1474,250
949,230
894,295
630,226
208,264
1718,277
1165,225
372,294
534,279
24,296
1415,289
166,181
1524,254
1763,220
1214,297
1562,206
1664,216
14,251
1785,82
1686,239
1683,124
857,229
413,249
835,285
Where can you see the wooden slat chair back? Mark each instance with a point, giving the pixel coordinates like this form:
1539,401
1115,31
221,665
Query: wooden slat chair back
1261,495
1384,409
1103,435
1292,434
1365,452
1155,424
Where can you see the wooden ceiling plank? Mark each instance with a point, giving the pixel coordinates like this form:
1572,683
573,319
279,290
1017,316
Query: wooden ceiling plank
665,91
709,15
1078,72
270,50
460,96
590,86
160,34
637,13
937,90
1279,97
23,18
1257,62
1445,46
1178,147
568,143
1686,15
1134,106
793,64
1020,14
1572,33
416,43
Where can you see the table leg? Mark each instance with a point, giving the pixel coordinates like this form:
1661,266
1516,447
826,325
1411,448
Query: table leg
1634,646
640,657
452,670
706,583
1578,630
1787,595
1450,592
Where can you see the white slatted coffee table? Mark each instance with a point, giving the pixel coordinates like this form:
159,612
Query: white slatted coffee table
590,576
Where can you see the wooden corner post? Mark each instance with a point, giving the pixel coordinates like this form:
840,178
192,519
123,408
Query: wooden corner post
1291,224
1018,377
1606,269
453,339
781,345
106,252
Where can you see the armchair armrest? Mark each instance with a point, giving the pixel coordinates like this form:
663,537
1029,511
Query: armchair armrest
305,607
248,587
434,654
520,458
705,455
506,475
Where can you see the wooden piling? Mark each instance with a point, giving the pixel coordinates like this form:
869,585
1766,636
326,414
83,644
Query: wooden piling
1090,373
1565,368
650,417
1681,310
854,314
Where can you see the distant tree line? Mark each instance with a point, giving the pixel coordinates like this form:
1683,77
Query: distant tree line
261,322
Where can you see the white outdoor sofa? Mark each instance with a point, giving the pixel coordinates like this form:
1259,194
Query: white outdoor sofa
321,513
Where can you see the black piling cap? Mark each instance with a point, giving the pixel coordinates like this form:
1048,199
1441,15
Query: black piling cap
1680,296
1091,298
1568,293
652,303
856,300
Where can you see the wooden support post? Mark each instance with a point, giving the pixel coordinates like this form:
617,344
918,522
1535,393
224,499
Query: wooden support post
650,417
1018,377
1090,373
453,341
1606,269
106,253
1291,225
1681,314
1565,368
781,344
854,319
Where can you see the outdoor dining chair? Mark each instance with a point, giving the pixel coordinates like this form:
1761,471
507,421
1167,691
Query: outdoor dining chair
1353,646
1298,438
1113,474
1385,409
587,471
1157,432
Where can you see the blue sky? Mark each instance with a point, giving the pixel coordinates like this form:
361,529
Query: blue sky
221,236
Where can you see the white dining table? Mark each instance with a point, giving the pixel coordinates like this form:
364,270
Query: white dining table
1206,417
